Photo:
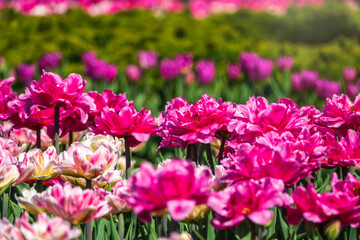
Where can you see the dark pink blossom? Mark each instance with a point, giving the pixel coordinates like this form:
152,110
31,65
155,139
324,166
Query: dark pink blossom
182,123
138,126
247,199
176,187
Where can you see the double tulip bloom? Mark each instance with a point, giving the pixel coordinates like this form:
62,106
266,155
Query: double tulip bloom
176,187
182,123
73,204
247,200
44,228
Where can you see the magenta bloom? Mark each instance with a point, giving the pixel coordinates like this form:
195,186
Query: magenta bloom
43,229
341,204
309,78
338,113
73,204
182,123
185,61
26,73
352,90
205,72
233,71
345,152
257,117
147,59
53,91
296,82
285,63
176,187
255,67
169,69
327,88
50,61
98,69
138,126
349,74
133,73
247,199
6,96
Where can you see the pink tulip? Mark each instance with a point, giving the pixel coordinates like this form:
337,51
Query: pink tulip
53,91
115,199
83,162
247,199
176,187
133,73
147,59
349,74
285,63
73,204
6,96
341,204
44,228
138,126
182,124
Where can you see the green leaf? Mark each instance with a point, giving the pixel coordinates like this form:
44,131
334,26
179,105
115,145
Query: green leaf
114,233
6,187
282,225
210,228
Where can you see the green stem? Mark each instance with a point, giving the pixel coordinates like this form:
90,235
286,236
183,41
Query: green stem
209,157
128,158
56,129
121,226
88,226
188,152
222,146
70,137
195,153
38,137
39,186
5,206
253,230
164,223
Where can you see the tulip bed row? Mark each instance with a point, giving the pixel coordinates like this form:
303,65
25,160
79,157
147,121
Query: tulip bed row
251,74
257,170
198,8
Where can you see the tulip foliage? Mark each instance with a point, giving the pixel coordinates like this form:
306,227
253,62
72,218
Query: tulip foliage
258,170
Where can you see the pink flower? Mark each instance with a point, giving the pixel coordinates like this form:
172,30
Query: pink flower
285,63
73,204
45,163
185,61
233,71
341,204
147,59
116,199
43,229
138,126
247,199
349,74
267,156
13,170
6,96
133,73
50,60
176,187
169,69
257,117
337,113
182,123
53,91
327,88
345,152
205,72
83,162
107,99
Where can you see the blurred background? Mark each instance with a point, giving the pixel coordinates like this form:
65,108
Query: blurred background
158,49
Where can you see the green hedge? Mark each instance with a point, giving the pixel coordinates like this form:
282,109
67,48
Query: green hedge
323,39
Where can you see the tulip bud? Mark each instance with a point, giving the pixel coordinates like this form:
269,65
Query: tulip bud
332,229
